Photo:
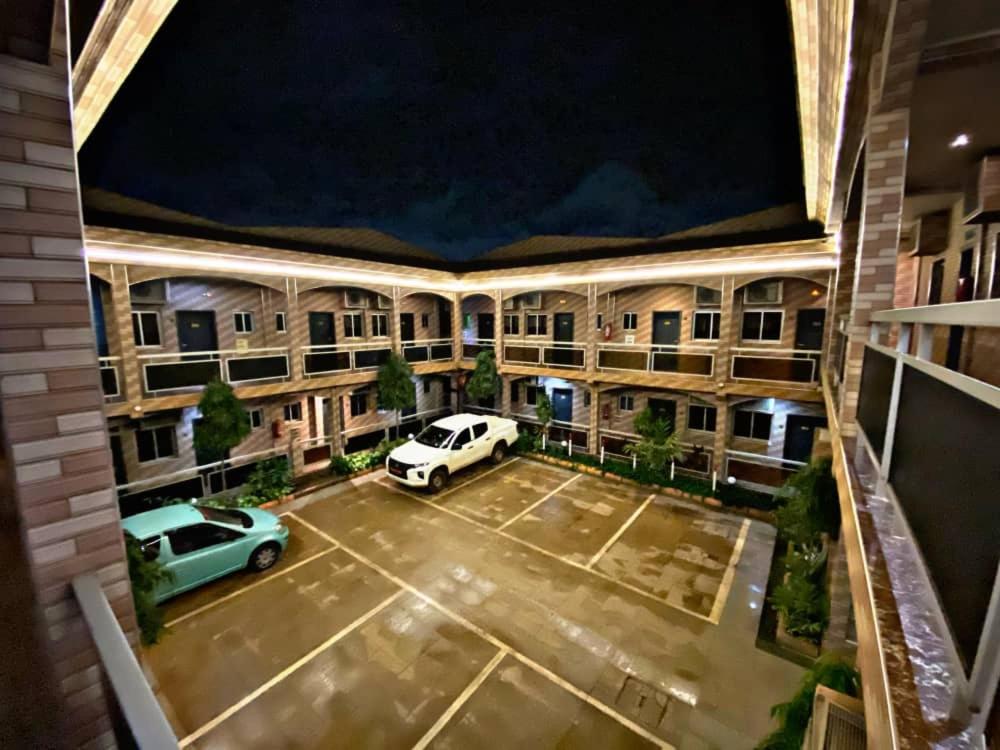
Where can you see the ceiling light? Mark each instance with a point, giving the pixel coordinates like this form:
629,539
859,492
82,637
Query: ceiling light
959,141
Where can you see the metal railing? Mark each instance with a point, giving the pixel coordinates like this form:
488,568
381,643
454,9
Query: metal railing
775,365
180,371
472,347
758,470
146,721
545,353
696,462
324,359
683,359
428,350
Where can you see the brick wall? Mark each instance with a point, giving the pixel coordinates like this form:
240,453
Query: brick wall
54,437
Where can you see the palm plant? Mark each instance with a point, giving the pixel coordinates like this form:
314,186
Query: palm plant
658,444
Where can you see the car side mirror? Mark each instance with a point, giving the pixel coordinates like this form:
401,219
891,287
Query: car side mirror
410,436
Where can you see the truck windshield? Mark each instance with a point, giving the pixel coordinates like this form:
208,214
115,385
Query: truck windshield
434,436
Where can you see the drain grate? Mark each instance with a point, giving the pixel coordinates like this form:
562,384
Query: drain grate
641,701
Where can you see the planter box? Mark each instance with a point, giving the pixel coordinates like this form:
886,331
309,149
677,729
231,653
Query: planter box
792,642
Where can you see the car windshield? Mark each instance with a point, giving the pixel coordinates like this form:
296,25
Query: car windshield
434,436
225,515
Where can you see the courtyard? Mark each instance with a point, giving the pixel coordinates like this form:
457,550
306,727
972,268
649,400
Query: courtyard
526,605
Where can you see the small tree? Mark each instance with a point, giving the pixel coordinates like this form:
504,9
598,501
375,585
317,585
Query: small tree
658,444
224,422
544,410
484,381
395,386
145,573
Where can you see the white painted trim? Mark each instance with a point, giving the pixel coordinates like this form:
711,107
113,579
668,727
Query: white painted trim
538,502
974,313
621,530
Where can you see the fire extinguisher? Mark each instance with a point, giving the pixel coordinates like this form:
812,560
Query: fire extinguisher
277,428
606,411
607,331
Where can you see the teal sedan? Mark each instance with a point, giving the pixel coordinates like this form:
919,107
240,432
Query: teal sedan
198,544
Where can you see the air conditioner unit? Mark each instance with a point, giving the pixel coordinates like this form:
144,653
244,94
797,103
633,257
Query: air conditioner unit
837,723
630,339
706,297
383,302
981,204
355,298
149,292
508,303
762,293
531,301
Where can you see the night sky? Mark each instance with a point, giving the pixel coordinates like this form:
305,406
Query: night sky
459,126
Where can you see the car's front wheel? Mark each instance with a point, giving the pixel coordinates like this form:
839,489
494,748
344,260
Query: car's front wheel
438,480
264,557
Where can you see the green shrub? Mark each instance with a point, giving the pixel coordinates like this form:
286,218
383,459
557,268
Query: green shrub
354,462
145,576
808,504
803,602
269,480
831,671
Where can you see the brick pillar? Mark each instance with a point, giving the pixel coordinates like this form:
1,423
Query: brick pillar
296,451
456,327
298,331
505,395
395,329
594,426
721,441
727,328
121,318
57,501
591,337
498,326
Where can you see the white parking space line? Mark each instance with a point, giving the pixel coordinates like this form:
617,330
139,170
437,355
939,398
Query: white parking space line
460,700
617,535
478,476
534,505
490,638
209,726
542,551
249,587
727,578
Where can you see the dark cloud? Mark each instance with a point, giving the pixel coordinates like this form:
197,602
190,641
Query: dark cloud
459,126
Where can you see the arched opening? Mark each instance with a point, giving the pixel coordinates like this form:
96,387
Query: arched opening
343,328
478,324
425,323
545,328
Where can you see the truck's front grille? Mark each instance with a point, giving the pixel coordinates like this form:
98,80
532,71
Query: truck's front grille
398,466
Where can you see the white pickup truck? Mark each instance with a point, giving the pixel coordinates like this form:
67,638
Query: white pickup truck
447,445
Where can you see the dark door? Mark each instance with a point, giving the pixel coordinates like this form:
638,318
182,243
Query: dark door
406,327
564,327
118,460
666,328
196,330
664,409
937,282
562,404
953,356
444,319
799,432
321,331
809,329
485,325
563,332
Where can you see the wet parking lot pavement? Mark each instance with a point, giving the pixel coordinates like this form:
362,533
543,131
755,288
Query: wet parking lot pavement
525,606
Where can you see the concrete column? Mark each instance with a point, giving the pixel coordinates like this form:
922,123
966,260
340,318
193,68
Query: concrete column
394,326
727,331
456,327
58,510
336,424
505,381
130,370
591,337
594,426
722,431
296,451
298,331
498,326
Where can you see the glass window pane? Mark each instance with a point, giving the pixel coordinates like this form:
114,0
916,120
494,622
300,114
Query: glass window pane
741,424
136,331
709,419
761,426
145,444
751,325
150,331
696,417
716,320
772,326
164,441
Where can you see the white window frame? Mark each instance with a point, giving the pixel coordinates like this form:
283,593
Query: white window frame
289,405
383,325
516,319
694,325
354,316
626,398
543,317
752,412
159,329
600,321
762,310
283,317
247,320
635,321
350,404
260,413
173,444
706,407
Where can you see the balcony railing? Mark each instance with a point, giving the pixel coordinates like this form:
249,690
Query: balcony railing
682,360
334,358
776,365
696,461
164,373
427,350
757,470
472,347
545,354
110,378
